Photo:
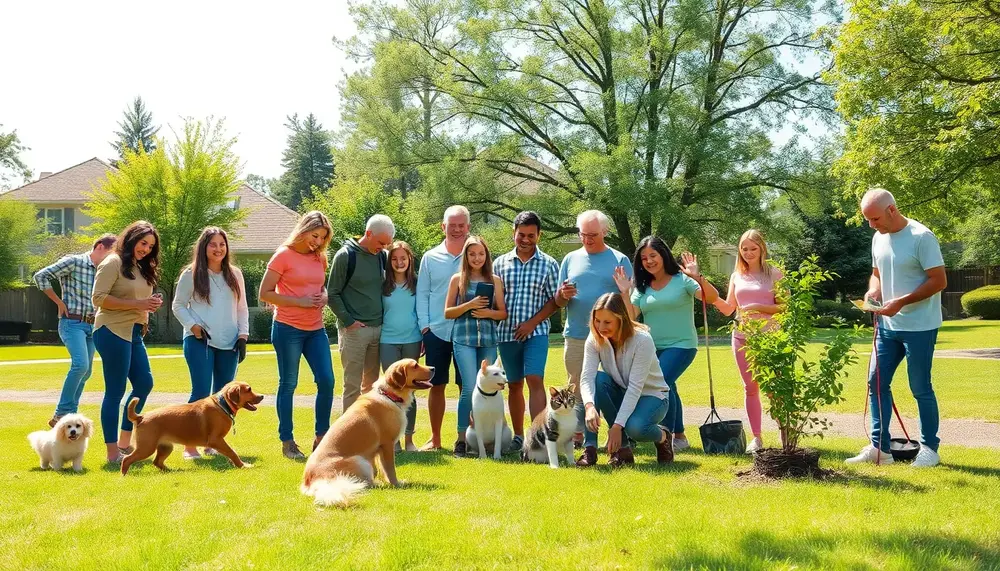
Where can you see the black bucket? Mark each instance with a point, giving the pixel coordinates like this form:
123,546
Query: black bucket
722,436
903,448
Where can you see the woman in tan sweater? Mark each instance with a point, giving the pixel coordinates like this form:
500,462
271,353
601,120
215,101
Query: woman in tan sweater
123,296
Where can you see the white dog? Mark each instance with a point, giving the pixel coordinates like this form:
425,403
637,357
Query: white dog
490,423
66,442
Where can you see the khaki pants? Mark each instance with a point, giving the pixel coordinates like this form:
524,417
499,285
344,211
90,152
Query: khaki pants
359,356
573,361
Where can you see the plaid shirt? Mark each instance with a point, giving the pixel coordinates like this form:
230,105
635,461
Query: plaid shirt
75,274
527,287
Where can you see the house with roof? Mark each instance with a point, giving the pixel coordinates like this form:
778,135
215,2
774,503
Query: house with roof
60,198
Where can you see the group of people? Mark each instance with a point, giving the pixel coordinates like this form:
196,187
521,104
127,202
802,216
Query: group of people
629,332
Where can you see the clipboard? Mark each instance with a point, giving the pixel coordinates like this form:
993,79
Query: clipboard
866,304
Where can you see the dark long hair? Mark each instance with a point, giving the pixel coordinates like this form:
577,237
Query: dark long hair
149,267
199,265
389,283
642,277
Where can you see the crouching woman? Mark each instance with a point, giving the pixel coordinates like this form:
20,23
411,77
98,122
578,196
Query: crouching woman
629,391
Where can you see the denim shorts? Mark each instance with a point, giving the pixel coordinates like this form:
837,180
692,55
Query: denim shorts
525,359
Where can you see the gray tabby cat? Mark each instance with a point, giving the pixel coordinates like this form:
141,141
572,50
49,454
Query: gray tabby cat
552,430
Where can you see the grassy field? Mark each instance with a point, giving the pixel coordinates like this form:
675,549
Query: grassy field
966,388
471,514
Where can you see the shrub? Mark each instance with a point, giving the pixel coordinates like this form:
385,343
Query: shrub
260,327
253,273
828,310
330,323
795,387
982,302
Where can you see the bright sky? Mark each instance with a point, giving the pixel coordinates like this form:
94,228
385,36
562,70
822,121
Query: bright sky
73,68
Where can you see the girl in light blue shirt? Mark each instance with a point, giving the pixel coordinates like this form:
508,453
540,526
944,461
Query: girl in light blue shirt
401,338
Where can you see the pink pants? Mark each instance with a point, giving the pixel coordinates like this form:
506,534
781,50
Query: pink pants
751,391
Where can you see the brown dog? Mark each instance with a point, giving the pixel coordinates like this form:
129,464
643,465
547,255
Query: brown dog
343,463
201,423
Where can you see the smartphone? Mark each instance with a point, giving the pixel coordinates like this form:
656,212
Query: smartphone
486,290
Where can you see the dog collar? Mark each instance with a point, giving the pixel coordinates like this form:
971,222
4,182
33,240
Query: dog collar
221,401
486,394
392,396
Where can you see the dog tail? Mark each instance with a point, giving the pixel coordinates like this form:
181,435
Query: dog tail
135,418
341,489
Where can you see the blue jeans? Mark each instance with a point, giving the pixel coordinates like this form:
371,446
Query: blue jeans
673,362
210,368
389,353
122,360
642,425
469,359
918,348
78,337
525,359
290,345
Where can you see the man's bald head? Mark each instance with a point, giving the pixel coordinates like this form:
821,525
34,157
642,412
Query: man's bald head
878,206
879,198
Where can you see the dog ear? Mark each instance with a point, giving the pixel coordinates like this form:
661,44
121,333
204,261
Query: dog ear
497,362
231,393
483,366
88,427
396,377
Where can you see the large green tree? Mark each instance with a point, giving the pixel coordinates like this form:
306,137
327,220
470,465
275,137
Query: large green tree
919,85
658,112
136,131
180,187
12,167
20,226
308,162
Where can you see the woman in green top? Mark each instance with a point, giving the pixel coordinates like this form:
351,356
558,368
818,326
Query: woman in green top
664,293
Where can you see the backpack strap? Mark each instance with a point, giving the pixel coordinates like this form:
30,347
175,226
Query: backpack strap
352,260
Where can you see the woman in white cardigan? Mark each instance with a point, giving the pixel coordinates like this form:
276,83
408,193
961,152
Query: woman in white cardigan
211,303
629,390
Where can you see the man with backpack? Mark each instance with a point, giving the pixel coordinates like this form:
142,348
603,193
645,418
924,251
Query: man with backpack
355,292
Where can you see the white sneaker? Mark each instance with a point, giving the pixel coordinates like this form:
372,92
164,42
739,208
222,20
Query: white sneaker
926,458
191,456
871,455
681,444
755,445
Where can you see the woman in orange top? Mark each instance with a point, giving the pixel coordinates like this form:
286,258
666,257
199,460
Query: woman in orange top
295,283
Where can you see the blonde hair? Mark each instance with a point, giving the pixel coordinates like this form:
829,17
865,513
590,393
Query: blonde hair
627,326
311,221
466,270
757,238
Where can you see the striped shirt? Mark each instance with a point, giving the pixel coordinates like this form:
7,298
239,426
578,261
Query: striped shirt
527,287
75,274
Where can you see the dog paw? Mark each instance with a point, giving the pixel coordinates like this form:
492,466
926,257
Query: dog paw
246,465
556,467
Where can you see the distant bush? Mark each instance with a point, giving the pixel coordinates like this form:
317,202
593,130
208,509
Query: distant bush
983,302
828,310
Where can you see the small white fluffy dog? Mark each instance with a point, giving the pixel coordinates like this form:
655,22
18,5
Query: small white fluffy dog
488,412
66,442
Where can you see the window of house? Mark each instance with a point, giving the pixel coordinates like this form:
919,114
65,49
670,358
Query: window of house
54,223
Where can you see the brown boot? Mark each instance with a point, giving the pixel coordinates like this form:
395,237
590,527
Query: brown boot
665,450
623,457
588,458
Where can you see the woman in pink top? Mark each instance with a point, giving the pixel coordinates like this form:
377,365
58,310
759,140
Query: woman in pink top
751,292
295,283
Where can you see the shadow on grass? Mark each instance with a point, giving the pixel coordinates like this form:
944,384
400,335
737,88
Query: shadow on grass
976,470
916,550
69,471
220,463
428,458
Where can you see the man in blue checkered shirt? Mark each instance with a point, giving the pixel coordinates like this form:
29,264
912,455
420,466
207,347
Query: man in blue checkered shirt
75,274
530,279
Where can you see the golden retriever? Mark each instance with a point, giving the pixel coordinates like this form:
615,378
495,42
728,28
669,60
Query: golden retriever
205,422
65,442
343,463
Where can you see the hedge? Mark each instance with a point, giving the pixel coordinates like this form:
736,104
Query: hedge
983,302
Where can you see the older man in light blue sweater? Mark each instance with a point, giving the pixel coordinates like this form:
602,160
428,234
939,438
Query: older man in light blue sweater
436,268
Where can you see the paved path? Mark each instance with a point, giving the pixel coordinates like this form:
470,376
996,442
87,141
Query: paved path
963,432
992,353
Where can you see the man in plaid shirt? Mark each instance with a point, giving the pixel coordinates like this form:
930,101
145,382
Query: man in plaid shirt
75,274
530,279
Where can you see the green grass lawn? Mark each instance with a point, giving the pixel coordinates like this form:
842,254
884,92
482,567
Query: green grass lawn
966,388
466,513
